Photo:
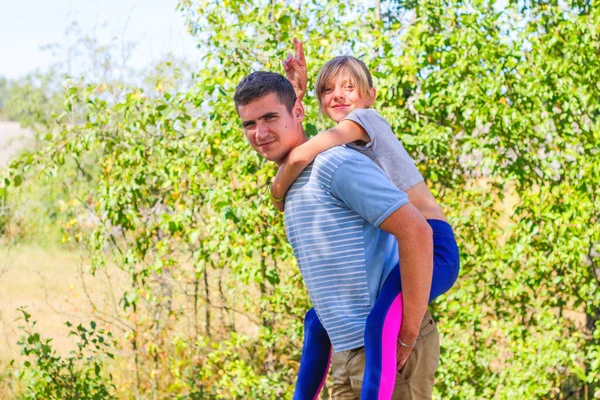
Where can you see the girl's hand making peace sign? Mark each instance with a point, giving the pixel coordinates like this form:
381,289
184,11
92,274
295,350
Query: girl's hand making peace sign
295,69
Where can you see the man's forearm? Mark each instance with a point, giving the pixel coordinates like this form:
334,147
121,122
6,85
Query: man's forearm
416,268
415,247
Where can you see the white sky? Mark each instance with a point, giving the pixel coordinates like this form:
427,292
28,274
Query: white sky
26,25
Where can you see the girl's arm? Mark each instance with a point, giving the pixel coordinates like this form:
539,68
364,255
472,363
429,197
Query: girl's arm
345,132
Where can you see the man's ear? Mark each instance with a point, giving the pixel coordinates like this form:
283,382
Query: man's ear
298,110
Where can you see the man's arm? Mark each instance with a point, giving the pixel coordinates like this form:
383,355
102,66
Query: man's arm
363,187
415,247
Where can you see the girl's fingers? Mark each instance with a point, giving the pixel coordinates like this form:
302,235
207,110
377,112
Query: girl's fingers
300,54
297,68
299,71
294,66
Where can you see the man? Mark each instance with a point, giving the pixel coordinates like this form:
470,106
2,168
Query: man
349,227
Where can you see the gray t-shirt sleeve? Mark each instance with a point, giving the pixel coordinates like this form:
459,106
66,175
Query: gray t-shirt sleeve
385,149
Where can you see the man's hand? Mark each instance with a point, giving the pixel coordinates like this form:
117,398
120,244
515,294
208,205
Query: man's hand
295,69
402,354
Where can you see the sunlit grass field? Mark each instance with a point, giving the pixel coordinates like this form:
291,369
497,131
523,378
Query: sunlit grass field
55,286
48,282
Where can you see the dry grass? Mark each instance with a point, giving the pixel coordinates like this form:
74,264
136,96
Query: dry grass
49,284
55,287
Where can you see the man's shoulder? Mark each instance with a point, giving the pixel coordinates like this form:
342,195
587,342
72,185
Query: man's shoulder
336,156
340,164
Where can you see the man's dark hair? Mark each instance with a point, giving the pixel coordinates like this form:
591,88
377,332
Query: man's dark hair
259,84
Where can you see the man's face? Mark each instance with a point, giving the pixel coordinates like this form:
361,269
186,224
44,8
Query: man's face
271,129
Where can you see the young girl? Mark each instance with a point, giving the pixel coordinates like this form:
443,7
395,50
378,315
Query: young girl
345,92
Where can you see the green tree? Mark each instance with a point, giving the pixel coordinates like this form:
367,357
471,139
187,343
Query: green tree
496,103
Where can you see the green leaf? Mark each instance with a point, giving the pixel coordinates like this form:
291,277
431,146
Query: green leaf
408,140
17,180
172,227
311,130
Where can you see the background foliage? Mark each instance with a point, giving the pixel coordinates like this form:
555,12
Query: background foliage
496,102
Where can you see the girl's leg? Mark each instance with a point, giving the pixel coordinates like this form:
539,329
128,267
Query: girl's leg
446,258
381,339
315,360
384,321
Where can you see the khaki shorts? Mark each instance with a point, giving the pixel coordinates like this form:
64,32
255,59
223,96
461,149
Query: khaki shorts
413,381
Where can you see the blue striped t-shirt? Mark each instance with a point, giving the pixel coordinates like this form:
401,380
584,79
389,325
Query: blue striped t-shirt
332,214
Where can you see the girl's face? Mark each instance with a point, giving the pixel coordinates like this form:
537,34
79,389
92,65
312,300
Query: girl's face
342,96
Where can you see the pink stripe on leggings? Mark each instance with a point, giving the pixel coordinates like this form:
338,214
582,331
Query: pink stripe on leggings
324,377
389,343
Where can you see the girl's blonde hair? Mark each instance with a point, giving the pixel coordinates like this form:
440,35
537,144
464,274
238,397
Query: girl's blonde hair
358,71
